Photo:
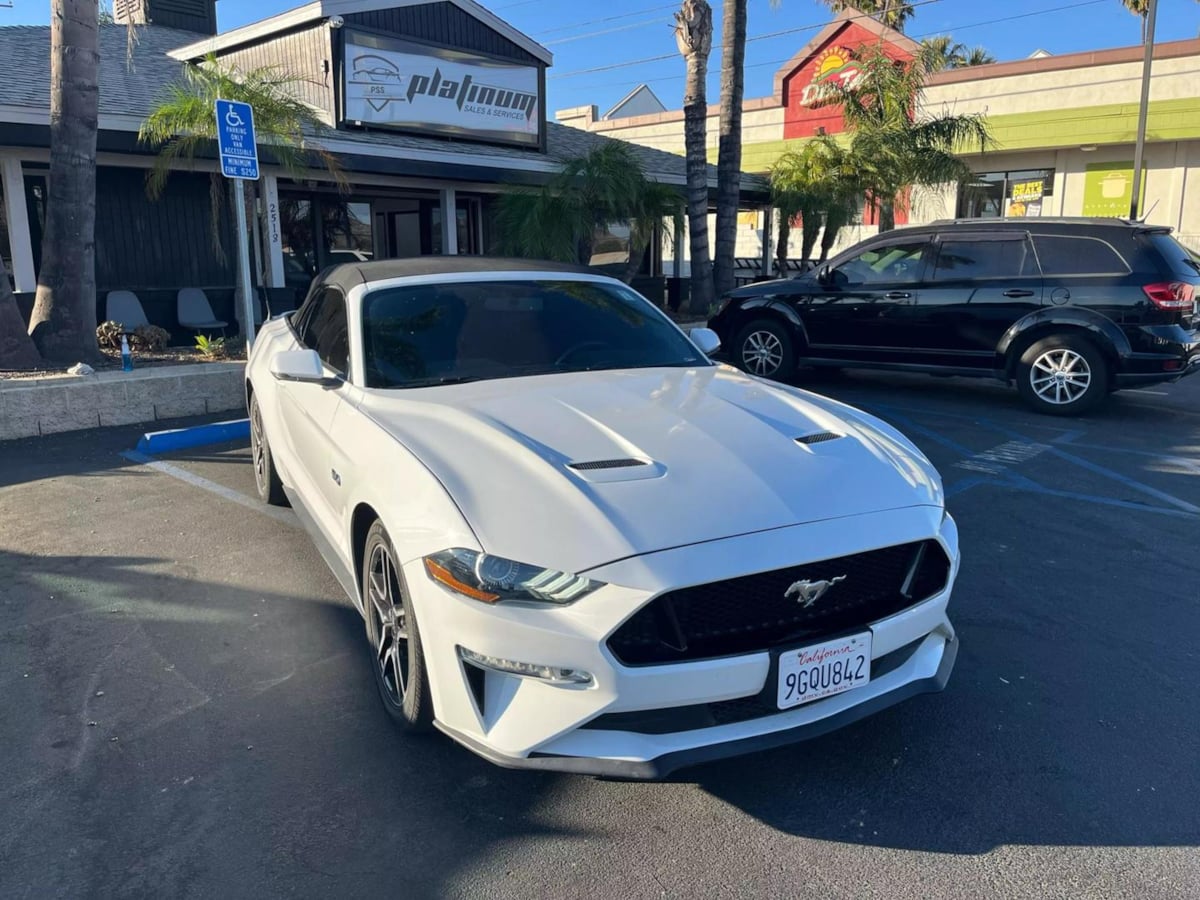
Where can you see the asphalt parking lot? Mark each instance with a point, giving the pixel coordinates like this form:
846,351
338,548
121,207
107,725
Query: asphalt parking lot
188,711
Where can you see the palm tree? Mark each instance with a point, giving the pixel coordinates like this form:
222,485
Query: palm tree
893,13
729,142
894,147
183,123
975,56
63,324
944,52
819,183
693,35
561,220
947,53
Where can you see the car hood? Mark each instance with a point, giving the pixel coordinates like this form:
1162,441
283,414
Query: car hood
717,455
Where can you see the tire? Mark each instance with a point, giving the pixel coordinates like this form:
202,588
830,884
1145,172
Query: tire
1063,375
765,348
388,611
266,478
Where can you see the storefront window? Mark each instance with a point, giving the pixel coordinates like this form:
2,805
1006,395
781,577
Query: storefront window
299,240
347,231
467,225
998,194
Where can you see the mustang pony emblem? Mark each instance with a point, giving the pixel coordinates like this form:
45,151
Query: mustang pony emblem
809,592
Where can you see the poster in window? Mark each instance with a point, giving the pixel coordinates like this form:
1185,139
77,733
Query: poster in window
1027,198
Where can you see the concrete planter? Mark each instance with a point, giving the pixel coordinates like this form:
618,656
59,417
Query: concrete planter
33,407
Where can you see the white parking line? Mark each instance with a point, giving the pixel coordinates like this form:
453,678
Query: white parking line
287,517
998,459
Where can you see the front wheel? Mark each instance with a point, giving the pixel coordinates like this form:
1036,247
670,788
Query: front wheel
766,349
1063,375
266,479
397,657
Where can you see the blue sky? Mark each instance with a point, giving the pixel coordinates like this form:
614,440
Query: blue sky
619,33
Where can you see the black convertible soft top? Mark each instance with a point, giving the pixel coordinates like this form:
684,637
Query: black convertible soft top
349,275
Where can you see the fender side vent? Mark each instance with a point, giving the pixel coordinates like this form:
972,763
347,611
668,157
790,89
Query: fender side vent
606,464
819,438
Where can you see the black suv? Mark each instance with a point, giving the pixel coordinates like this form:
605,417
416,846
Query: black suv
1069,309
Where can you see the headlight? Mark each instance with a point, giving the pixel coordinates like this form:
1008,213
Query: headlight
493,578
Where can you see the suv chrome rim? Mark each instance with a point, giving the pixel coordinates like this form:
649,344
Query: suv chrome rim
762,353
386,607
1060,376
256,447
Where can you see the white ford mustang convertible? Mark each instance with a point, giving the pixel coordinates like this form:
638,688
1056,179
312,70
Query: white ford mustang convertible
579,544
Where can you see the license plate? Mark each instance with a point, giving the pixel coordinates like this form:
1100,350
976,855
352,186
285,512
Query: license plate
822,670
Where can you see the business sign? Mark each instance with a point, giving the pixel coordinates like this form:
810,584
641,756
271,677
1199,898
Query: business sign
835,71
1108,189
431,89
235,139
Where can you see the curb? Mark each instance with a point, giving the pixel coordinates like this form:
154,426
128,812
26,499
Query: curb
155,442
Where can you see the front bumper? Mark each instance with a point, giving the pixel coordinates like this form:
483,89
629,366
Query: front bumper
523,722
936,651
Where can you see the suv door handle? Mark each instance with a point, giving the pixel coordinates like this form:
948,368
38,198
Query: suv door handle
897,295
1018,292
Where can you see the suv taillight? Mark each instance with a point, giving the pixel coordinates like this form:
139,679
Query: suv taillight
1170,294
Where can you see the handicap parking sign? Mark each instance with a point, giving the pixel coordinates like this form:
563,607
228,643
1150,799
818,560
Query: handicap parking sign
235,139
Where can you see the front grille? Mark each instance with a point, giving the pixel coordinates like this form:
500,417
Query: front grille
752,613
674,719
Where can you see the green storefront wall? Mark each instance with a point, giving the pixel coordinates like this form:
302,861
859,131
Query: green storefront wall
1167,120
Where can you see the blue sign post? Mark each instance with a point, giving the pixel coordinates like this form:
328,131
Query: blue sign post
235,140
239,161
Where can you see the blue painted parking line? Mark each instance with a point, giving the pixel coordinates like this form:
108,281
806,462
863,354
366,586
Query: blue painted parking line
156,442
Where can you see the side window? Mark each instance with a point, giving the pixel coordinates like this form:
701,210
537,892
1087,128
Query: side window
887,264
326,330
958,260
1063,255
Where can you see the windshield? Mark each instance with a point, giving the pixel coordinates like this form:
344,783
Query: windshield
429,334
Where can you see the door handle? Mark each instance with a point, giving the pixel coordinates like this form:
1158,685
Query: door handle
897,295
1015,292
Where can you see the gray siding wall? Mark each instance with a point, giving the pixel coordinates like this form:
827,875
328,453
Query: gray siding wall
303,55
442,23
191,15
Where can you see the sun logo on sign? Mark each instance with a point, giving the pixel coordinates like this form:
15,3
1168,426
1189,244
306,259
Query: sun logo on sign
831,62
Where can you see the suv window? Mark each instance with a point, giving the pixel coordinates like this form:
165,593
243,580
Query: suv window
326,329
887,264
1062,254
967,259
1181,261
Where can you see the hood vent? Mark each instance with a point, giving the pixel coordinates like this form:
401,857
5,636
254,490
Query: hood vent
818,438
606,464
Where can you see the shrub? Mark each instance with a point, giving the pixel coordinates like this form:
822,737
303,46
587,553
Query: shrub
210,348
150,338
108,335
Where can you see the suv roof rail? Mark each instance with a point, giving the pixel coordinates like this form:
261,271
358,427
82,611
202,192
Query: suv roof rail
990,222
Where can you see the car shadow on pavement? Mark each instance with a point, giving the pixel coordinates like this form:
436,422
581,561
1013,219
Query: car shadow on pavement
167,734
1002,757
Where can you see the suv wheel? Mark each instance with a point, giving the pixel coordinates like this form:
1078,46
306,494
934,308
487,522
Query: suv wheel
1063,375
765,348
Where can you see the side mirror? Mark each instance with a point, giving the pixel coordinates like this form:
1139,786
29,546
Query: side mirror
303,366
706,339
824,275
